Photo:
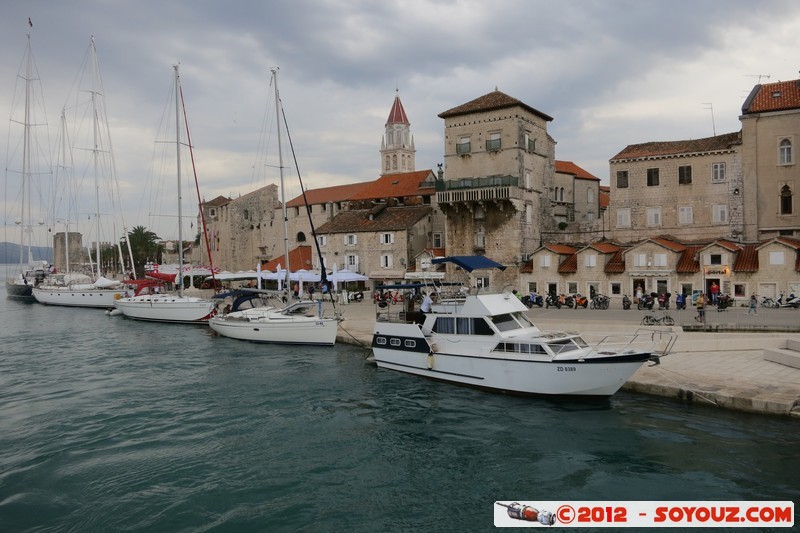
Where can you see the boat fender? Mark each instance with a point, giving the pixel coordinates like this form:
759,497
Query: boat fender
430,361
434,347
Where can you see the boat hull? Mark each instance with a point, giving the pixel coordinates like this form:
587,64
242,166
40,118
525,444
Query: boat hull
166,308
19,290
97,298
292,330
405,349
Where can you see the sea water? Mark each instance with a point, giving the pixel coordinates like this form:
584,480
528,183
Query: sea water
108,424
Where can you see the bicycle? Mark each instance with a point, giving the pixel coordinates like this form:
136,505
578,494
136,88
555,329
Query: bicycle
651,320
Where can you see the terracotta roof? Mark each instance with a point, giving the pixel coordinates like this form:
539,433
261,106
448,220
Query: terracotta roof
778,96
336,193
399,185
527,267
387,219
568,167
692,146
560,249
299,258
605,196
788,241
216,202
669,244
605,247
616,265
490,102
397,115
746,259
688,263
569,265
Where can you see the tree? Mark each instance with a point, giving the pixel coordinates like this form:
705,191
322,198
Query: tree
145,246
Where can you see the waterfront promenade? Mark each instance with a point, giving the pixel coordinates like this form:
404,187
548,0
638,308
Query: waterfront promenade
718,364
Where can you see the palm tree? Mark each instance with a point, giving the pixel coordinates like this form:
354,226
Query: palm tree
145,246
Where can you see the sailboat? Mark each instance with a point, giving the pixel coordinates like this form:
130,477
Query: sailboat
300,322
30,272
176,308
79,289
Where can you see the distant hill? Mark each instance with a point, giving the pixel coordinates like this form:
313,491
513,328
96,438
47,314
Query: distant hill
9,253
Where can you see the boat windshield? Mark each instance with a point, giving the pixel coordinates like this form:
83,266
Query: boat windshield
511,321
566,345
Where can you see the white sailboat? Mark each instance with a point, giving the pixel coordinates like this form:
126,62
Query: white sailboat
79,289
30,273
177,307
297,323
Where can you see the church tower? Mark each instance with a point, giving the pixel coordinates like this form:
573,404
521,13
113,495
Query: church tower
397,146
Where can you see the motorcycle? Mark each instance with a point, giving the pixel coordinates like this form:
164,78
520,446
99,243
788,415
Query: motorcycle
680,301
533,299
647,302
569,301
552,300
723,302
600,301
580,301
356,296
626,302
766,301
663,300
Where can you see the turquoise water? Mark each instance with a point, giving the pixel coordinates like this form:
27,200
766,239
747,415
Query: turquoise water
107,424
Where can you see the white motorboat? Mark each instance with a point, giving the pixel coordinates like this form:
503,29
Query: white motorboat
175,307
488,341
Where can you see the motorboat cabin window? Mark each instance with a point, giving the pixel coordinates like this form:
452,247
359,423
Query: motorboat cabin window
511,321
523,320
462,326
444,325
514,347
394,342
563,345
380,340
410,343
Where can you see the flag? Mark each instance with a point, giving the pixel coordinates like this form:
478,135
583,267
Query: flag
30,23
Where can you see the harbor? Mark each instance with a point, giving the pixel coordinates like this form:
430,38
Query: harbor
722,364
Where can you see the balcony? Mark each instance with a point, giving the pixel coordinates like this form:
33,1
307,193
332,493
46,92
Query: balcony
491,188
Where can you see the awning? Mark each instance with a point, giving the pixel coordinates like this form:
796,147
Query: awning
387,274
469,262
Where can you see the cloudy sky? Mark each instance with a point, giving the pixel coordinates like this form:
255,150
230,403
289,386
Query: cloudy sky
611,73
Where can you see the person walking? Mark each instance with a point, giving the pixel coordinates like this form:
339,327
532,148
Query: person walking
753,304
701,308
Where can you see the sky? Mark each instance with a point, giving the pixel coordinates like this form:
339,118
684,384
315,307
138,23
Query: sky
610,73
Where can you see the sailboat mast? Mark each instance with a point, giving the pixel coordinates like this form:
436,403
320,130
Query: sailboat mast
178,159
64,161
95,154
280,167
25,222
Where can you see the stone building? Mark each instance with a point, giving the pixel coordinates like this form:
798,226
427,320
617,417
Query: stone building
688,189
770,133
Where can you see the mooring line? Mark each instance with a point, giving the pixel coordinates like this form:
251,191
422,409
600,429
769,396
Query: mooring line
694,392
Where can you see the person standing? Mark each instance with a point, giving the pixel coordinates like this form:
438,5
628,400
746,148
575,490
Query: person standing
426,303
714,293
753,304
701,308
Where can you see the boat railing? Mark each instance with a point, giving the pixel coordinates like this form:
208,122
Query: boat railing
658,342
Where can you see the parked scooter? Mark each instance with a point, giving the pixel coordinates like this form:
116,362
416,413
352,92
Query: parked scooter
792,301
724,301
680,301
663,300
552,301
647,301
533,299
766,301
580,301
356,296
626,302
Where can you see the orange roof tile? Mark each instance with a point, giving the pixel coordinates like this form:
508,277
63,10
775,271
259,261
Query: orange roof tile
560,249
568,167
336,193
399,185
299,258
605,247
746,259
693,146
688,262
778,96
616,265
569,265
491,102
382,218
669,244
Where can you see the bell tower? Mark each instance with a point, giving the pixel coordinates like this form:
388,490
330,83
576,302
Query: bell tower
397,145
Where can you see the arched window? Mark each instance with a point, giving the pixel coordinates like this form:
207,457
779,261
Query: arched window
785,152
561,195
590,196
786,200
394,162
387,164
301,237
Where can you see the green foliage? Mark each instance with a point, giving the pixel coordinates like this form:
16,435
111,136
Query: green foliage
145,247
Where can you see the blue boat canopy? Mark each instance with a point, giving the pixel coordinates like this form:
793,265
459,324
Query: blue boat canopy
469,262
